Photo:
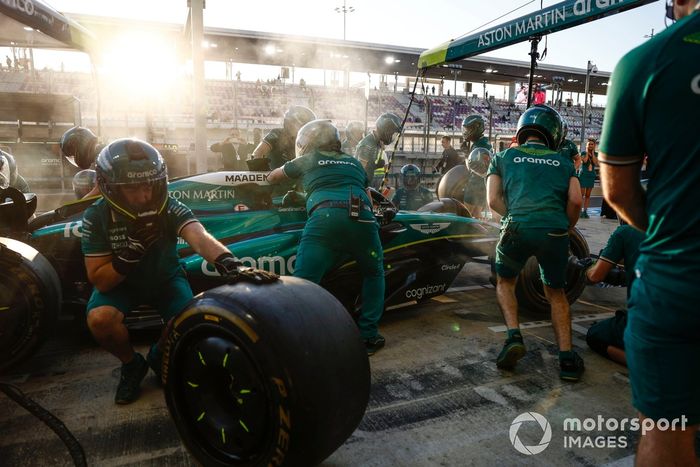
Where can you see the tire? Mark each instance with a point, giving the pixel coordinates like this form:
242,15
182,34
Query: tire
30,300
265,375
529,289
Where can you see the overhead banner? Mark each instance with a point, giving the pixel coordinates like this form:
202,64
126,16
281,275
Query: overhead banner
43,18
555,18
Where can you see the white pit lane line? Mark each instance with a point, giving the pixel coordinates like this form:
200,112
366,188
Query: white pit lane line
546,323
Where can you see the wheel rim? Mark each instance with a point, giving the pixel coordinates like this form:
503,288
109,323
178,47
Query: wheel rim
535,285
221,397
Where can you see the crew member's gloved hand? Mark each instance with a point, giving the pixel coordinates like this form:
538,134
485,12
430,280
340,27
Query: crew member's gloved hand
389,214
141,237
233,270
581,264
616,277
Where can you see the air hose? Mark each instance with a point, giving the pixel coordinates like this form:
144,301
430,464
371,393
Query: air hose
50,420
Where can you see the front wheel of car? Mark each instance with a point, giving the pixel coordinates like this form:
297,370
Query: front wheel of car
30,300
265,375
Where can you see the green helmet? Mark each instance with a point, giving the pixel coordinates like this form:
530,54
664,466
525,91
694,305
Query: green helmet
131,163
11,167
355,131
78,146
473,127
410,175
388,127
543,122
296,117
319,135
478,161
83,182
4,171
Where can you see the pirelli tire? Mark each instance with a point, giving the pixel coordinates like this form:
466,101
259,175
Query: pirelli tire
265,375
529,289
30,300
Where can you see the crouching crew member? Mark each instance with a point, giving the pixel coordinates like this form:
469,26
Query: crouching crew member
341,222
370,151
129,239
606,336
536,190
411,195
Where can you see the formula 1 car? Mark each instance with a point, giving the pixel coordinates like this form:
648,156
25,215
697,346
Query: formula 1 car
424,251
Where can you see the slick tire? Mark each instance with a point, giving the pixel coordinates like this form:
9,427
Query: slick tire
529,289
30,300
265,375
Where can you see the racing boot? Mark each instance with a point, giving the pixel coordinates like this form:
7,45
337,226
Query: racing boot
155,361
373,344
513,350
571,366
132,374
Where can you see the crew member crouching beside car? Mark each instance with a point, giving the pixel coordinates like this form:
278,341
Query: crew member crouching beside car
606,336
341,222
129,240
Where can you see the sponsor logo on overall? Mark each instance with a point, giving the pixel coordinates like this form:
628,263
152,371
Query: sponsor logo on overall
536,160
333,162
276,264
430,228
427,290
586,433
451,267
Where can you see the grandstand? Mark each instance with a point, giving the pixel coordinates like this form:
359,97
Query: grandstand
247,105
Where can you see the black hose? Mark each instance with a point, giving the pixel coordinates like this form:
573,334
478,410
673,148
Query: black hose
50,420
403,123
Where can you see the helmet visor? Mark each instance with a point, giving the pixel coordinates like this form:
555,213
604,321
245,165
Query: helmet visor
411,180
139,199
391,141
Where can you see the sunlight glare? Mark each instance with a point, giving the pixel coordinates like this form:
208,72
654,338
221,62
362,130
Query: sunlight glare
144,64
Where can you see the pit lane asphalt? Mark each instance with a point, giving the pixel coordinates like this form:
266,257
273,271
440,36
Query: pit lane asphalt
437,397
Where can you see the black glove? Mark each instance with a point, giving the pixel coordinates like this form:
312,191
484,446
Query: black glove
580,264
616,277
233,270
141,237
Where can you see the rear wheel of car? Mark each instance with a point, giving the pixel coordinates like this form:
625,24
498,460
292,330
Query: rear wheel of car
529,289
30,300
265,375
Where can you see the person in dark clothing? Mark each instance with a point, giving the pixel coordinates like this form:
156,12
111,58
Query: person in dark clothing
450,156
230,152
